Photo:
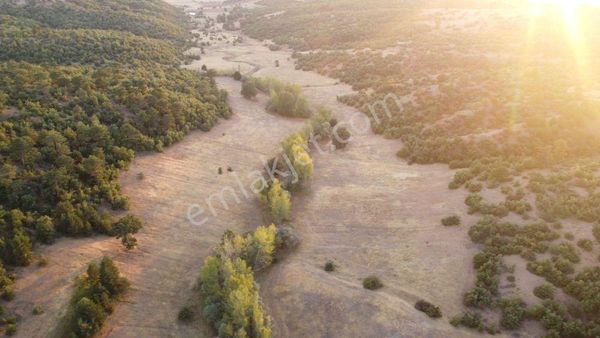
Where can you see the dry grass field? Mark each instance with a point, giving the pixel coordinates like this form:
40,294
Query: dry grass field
368,211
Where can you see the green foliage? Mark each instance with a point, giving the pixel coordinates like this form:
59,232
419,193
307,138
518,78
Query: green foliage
428,308
37,310
231,300
341,137
8,294
95,293
90,83
451,221
544,291
125,228
286,98
372,283
249,90
585,244
186,314
11,329
513,312
329,266
469,319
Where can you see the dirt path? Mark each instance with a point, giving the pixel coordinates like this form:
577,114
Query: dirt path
372,214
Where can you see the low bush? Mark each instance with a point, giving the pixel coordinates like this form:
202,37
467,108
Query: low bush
428,308
451,221
37,310
186,314
372,283
469,319
329,266
585,244
544,291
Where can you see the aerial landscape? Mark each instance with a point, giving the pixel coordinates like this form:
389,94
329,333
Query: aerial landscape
300,168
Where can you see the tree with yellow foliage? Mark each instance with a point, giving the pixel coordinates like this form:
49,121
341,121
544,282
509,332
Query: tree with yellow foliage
279,202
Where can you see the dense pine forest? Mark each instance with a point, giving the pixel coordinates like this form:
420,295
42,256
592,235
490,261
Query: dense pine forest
507,99
84,85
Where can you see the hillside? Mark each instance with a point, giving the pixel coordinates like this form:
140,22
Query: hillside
84,86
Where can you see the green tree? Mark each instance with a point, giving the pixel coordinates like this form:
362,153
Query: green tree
19,248
125,228
90,316
44,230
111,278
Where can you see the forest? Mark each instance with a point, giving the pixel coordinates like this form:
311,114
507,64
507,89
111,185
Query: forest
508,110
84,86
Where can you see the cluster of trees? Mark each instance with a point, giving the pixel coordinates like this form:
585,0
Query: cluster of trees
231,302
155,19
464,105
285,98
95,294
87,84
27,40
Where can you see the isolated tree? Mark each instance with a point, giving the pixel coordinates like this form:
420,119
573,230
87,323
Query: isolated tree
237,76
279,202
340,137
124,230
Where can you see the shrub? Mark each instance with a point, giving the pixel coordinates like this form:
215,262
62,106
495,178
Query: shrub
11,329
451,221
249,90
37,310
510,278
329,266
42,261
544,291
186,314
341,136
585,244
513,312
428,308
372,283
469,319
237,76
569,236
8,294
596,232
